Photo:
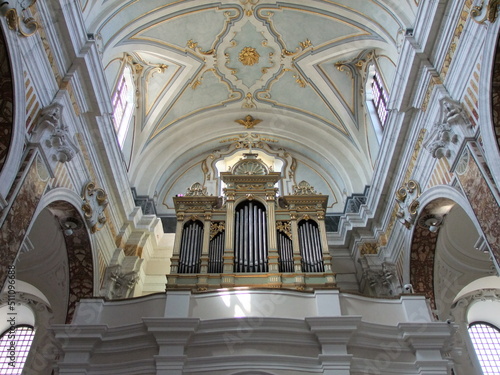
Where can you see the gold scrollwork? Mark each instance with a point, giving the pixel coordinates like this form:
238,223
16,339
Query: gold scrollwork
217,227
479,14
15,22
284,227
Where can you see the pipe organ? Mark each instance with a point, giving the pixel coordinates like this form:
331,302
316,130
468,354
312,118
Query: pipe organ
251,236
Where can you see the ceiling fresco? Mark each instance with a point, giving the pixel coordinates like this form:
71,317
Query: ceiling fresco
298,66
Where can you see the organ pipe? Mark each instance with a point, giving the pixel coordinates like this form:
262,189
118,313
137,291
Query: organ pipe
191,246
310,247
215,253
250,247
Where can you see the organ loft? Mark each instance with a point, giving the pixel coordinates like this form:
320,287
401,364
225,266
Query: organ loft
251,235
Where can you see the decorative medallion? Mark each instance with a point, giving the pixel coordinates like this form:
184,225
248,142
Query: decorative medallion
248,122
249,56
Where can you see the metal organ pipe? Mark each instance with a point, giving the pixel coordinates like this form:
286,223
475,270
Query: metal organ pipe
215,253
310,247
250,246
192,237
285,252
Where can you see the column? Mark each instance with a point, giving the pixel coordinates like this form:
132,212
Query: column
272,244
202,283
228,257
327,258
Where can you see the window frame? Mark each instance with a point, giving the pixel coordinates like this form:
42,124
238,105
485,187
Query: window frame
25,353
479,351
380,98
122,101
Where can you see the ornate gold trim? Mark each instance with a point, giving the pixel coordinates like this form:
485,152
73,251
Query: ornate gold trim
249,56
15,22
248,122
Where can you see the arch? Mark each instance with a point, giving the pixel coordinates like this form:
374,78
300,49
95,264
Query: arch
489,97
44,349
477,301
64,207
15,344
13,97
485,338
437,202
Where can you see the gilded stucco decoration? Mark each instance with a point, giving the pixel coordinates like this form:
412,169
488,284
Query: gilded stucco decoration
19,17
249,56
196,190
485,10
216,227
359,64
248,122
284,227
95,201
304,188
247,60
250,167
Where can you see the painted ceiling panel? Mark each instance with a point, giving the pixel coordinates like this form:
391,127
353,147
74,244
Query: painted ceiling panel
207,64
286,92
341,83
322,28
158,78
211,93
202,26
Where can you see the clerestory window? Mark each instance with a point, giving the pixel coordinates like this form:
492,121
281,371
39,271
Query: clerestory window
380,98
15,344
485,338
123,103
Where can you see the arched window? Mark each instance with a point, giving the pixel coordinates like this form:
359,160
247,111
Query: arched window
15,344
123,103
485,338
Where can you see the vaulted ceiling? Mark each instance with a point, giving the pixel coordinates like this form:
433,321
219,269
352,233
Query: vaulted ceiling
298,66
